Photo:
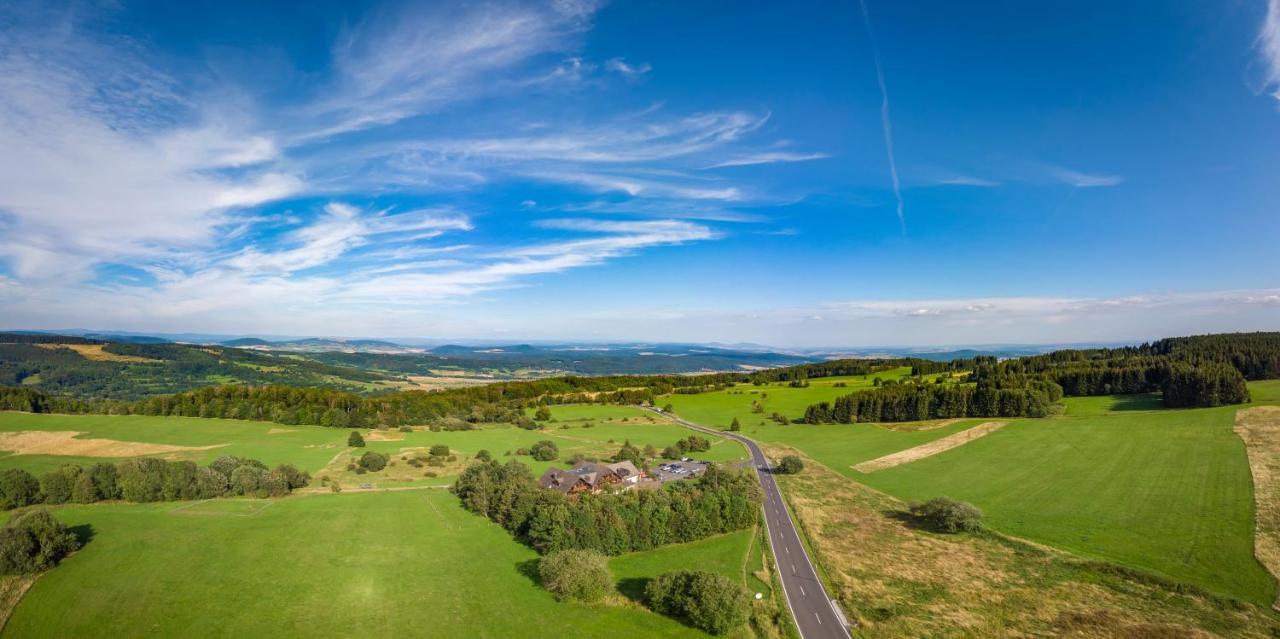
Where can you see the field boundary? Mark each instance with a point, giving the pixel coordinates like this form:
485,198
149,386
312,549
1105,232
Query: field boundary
12,589
1259,429
929,449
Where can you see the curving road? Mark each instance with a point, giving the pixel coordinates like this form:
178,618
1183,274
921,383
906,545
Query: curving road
815,613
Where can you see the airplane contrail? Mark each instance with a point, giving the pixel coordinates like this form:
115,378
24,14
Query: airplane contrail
885,124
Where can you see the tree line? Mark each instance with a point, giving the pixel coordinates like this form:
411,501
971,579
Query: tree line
147,479
1189,372
914,401
610,523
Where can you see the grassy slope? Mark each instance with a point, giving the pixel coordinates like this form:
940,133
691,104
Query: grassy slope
1164,491
409,563
1115,478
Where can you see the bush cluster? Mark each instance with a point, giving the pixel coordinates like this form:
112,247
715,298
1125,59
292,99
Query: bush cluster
948,515
580,575
708,601
34,541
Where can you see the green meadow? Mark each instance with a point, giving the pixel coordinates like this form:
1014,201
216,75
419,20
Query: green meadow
312,447
410,563
1116,478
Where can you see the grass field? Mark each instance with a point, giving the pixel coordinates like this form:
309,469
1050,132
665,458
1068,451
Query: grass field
311,447
407,563
1116,478
902,581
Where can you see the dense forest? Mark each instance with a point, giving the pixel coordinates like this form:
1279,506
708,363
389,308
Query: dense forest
1199,371
719,501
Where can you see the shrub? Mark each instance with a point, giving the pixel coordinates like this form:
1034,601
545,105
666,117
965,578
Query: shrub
360,470
83,491
581,575
545,450
141,479
18,488
373,461
430,474
708,601
247,480
948,515
56,484
415,463
104,480
293,477
406,429
790,465
526,423
484,455
335,487
355,439
543,414
439,450
34,541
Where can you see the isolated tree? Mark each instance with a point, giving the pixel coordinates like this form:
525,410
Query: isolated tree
18,488
543,414
373,461
545,450
355,439
735,425
790,465
630,453
580,575
34,541
948,515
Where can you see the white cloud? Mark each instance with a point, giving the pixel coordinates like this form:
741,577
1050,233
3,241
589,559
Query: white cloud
1080,179
1269,41
621,66
86,178
398,64
772,157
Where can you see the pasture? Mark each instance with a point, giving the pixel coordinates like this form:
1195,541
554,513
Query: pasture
410,563
1116,478
313,448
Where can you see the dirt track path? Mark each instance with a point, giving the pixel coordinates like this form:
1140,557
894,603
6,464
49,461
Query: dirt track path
934,447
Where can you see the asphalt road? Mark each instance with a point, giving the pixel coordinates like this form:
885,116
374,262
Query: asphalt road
813,610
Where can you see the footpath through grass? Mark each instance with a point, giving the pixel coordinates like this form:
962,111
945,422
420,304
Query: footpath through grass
373,564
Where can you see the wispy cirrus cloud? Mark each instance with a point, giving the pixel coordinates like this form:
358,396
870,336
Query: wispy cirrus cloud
1080,179
768,157
1269,43
618,65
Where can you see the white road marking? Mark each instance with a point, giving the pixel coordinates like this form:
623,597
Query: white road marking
802,591
815,616
793,568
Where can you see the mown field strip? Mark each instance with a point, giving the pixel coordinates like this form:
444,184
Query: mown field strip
932,448
1260,429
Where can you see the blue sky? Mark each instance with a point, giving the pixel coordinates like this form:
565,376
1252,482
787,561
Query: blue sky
785,173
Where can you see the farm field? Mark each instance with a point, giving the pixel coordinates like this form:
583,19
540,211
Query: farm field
410,563
1117,478
312,448
718,408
